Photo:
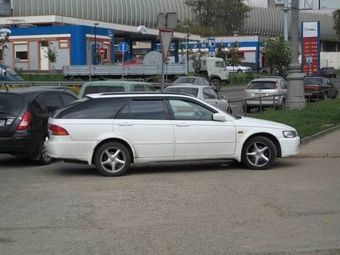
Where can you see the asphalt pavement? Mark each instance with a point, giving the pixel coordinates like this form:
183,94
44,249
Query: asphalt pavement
323,144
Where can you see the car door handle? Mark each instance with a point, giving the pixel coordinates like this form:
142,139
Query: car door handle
182,125
125,124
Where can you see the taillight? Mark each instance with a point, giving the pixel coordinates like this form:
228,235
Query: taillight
57,130
247,86
25,121
276,85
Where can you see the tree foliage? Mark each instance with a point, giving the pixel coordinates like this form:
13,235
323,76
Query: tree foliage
217,17
278,53
4,39
336,19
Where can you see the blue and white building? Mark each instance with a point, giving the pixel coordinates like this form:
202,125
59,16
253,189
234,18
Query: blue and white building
75,30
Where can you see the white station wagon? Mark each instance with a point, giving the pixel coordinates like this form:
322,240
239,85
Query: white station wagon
112,131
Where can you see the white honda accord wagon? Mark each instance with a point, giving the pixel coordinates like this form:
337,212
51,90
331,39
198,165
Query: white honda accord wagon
112,131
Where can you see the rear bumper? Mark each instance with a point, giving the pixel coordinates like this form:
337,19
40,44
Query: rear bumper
18,145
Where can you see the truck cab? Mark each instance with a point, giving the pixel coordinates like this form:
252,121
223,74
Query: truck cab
213,69
8,74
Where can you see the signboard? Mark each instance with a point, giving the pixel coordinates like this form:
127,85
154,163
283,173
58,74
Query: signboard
166,37
311,47
101,51
123,47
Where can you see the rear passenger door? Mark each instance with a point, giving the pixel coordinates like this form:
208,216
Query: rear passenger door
147,125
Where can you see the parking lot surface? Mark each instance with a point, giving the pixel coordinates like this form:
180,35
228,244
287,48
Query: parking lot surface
192,208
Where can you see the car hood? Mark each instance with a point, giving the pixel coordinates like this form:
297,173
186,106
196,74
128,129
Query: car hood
253,122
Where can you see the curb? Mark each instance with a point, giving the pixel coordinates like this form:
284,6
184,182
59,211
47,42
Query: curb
318,135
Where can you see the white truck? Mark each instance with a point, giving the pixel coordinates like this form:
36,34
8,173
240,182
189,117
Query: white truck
210,67
213,69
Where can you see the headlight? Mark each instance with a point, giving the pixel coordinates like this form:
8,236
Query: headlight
289,134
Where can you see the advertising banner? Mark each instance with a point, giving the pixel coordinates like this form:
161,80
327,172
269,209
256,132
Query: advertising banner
311,47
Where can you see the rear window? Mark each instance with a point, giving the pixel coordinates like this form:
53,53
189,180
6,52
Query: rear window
11,103
185,80
262,85
186,91
312,81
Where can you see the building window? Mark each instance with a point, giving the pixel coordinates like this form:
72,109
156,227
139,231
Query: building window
63,44
21,52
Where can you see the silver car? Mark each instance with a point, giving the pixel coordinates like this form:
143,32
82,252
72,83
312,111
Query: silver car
205,93
265,92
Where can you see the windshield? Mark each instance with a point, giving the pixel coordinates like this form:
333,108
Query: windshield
10,71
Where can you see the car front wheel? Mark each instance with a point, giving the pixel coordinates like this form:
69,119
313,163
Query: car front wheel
259,153
112,159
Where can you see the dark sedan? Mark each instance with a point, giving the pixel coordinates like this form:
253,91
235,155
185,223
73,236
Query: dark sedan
319,88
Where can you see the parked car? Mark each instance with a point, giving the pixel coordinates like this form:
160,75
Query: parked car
132,62
8,74
319,88
238,69
203,92
114,86
265,92
23,119
328,72
195,80
161,127
252,65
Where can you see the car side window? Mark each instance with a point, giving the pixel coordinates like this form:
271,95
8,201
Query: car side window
283,85
103,108
188,110
153,109
47,103
208,93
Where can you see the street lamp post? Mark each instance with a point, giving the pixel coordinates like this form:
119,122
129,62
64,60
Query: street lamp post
95,48
295,91
187,28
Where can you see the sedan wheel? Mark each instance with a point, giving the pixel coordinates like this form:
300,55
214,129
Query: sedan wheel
112,159
259,153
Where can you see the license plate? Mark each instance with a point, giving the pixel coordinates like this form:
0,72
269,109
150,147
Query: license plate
2,123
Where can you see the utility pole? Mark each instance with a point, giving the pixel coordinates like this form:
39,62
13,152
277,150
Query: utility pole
295,94
95,44
285,24
187,28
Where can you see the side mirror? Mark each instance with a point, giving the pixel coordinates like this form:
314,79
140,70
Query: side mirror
219,117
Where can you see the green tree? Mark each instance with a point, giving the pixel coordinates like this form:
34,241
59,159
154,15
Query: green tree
278,53
336,19
234,57
217,17
4,38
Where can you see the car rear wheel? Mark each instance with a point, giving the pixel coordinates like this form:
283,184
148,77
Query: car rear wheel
217,83
259,153
239,71
112,159
41,156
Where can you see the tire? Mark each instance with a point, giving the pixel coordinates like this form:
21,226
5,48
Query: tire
282,106
112,159
259,153
239,71
264,72
41,157
217,83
